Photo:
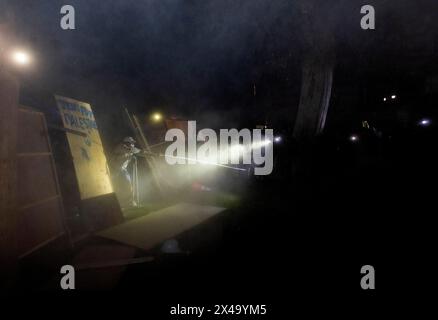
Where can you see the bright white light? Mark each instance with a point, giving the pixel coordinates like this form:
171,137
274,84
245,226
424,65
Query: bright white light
354,138
277,139
384,99
393,97
21,58
237,150
425,122
261,144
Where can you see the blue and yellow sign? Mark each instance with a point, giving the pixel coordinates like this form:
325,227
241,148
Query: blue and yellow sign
86,147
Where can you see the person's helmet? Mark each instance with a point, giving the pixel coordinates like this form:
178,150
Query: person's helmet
129,140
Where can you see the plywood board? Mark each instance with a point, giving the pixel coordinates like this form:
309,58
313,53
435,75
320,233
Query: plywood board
149,231
86,148
40,211
39,224
36,179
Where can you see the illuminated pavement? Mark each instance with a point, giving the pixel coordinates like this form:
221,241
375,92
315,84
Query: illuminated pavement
149,231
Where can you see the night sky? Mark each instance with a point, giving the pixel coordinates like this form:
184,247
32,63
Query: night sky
201,59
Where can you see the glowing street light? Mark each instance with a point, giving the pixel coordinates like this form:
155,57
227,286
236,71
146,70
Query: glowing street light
278,139
20,58
393,97
384,99
157,117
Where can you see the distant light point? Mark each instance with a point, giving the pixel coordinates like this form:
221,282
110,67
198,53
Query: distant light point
425,122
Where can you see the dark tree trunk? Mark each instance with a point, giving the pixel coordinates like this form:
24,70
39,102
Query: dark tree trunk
317,73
